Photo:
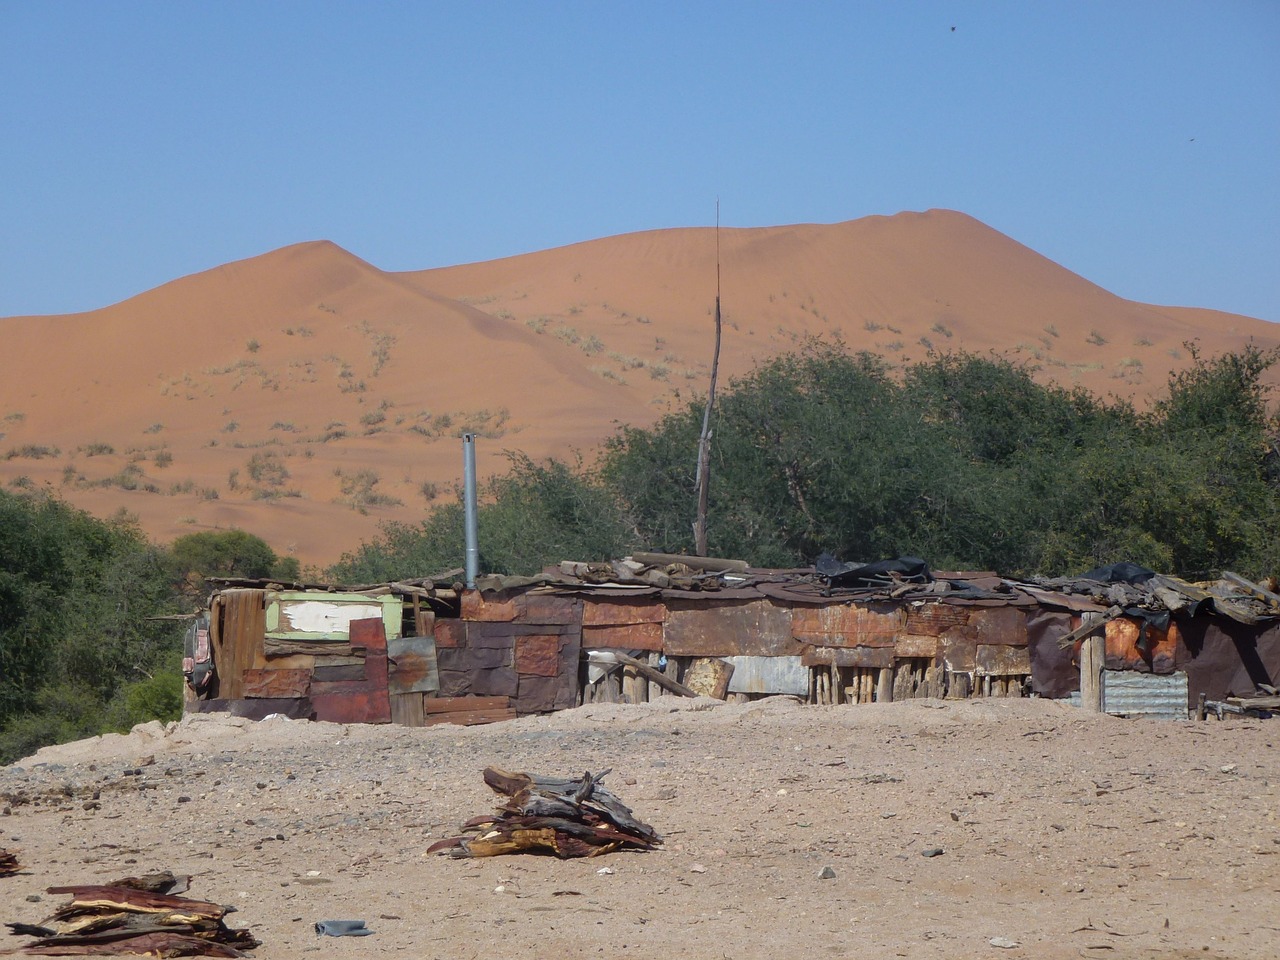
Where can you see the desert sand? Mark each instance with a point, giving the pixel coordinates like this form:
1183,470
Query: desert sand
306,395
1056,833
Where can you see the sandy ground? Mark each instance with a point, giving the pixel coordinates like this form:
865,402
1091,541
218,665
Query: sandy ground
1062,834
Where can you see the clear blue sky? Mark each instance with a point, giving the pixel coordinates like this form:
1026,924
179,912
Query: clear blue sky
1136,143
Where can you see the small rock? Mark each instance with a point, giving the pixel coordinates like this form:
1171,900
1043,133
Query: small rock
888,815
955,816
1228,768
827,874
932,852
697,868
91,805
33,898
184,799
1004,943
605,871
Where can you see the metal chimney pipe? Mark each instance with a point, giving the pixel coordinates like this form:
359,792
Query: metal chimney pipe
469,508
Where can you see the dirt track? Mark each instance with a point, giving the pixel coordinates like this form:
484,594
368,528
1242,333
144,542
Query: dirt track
1063,833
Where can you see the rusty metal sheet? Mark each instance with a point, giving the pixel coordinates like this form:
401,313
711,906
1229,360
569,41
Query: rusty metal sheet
623,636
849,625
450,633
543,694
538,656
339,671
493,607
1005,625
619,611
931,619
910,645
548,608
848,657
375,679
958,650
360,706
1053,674
498,682
1001,660
371,634
411,665
256,683
453,683
498,636
752,628
1124,653
769,675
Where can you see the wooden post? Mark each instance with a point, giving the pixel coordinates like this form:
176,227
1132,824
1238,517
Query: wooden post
1093,654
1200,708
884,685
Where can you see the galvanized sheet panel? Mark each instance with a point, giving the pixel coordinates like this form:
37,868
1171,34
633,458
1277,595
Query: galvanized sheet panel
757,628
1128,693
769,675
412,665
848,625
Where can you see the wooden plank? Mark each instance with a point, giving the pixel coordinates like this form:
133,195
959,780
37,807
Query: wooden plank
469,717
884,685
709,677
495,607
738,628
412,666
626,636
406,709
646,671
454,704
257,683
296,661
275,648
616,612
848,625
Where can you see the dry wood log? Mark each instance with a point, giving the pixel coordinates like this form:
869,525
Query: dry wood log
646,671
8,863
570,818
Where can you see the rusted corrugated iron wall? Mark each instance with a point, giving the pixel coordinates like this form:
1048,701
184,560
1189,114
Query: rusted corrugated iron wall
521,646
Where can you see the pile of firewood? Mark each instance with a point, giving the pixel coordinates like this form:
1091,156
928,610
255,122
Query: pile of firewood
570,818
8,863
136,915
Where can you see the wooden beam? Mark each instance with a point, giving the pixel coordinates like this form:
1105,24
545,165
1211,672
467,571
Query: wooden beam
645,670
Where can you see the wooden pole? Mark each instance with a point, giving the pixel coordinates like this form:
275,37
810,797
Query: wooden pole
884,685
1093,653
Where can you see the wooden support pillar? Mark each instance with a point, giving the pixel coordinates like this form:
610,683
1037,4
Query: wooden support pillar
884,685
1093,654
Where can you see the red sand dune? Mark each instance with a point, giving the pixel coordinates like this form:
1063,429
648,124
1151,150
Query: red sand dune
248,395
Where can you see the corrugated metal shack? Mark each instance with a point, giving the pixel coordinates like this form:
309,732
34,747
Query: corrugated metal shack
429,651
